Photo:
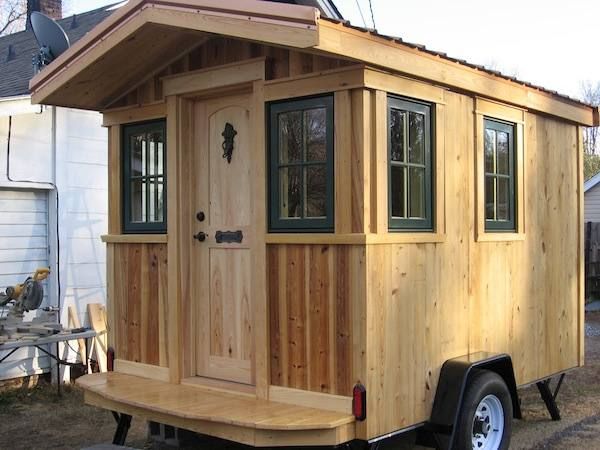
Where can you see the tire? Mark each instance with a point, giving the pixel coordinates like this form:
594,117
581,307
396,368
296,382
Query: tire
485,422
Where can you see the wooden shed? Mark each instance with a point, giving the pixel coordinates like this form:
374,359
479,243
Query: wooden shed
318,233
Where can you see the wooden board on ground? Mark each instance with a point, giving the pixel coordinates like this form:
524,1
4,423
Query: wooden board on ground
97,317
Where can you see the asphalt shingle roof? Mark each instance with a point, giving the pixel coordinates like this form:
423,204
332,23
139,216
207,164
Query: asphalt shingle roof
17,50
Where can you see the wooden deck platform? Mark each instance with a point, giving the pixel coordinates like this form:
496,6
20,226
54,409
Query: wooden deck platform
229,416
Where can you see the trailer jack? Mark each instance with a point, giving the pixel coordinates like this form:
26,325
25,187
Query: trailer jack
123,423
549,397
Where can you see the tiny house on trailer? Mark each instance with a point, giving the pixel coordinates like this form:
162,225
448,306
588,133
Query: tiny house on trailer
319,234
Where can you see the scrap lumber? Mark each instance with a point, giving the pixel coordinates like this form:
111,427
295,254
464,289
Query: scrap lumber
74,322
97,318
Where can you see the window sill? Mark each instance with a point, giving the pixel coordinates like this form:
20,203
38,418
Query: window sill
315,238
499,237
354,238
406,237
134,238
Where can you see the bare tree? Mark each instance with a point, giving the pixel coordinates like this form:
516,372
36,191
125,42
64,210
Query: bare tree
590,93
13,14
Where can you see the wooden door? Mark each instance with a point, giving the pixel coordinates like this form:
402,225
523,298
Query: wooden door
221,266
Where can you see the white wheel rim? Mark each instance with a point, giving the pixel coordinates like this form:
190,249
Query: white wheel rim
488,424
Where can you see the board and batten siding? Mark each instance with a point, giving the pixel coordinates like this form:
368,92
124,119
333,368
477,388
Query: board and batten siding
592,204
23,248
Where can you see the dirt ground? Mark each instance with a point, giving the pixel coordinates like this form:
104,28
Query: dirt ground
36,418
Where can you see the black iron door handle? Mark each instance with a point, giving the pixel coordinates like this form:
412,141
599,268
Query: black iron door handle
200,236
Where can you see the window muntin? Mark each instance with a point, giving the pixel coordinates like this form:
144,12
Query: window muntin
410,165
301,165
499,166
144,178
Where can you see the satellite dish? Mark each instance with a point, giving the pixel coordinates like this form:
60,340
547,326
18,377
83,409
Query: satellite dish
52,39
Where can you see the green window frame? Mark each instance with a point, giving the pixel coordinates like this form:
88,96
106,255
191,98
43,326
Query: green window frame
301,162
499,175
410,167
144,162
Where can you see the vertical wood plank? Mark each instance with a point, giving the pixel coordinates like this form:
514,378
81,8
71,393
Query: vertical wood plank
379,164
163,298
361,160
296,316
134,300
581,245
259,255
114,179
343,173
144,302
318,319
153,305
343,321
173,218
275,338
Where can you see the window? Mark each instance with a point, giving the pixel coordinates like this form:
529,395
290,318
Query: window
144,178
499,164
301,165
410,161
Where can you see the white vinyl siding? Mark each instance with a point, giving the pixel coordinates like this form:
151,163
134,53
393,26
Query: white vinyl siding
592,204
23,248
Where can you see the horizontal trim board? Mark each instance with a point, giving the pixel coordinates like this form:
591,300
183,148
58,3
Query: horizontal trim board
134,114
315,83
405,87
212,384
134,238
319,400
142,370
408,237
214,77
361,46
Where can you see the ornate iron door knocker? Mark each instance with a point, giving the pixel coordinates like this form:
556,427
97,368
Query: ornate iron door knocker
228,135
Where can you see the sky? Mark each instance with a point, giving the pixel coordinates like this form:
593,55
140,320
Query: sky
551,43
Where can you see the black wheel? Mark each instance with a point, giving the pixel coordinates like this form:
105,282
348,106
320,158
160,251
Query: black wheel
485,421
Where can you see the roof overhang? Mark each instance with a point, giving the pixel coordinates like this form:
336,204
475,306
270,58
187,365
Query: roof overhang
142,37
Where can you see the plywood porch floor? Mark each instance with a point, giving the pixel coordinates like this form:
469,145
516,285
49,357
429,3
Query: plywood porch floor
229,416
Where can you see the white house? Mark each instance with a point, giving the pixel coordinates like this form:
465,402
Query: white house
591,190
53,187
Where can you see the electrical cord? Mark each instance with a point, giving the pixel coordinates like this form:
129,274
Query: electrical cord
8,177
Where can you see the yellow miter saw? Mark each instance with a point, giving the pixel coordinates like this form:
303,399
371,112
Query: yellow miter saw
22,298
26,296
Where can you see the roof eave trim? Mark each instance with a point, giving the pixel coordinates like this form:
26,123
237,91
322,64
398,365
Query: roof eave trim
288,25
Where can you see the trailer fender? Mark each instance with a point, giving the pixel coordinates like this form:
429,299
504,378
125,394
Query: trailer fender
454,378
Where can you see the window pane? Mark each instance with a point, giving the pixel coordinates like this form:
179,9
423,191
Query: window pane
503,199
137,161
416,191
161,156
490,140
416,142
398,192
160,208
290,137
397,135
316,191
290,180
502,149
138,201
490,204
315,127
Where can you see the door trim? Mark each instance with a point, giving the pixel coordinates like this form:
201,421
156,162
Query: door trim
179,115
